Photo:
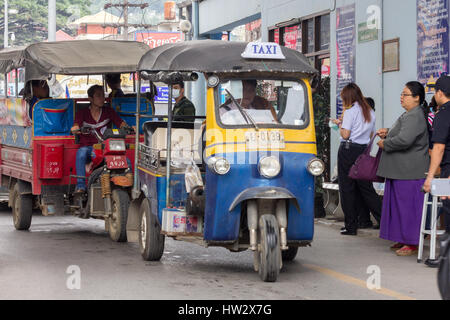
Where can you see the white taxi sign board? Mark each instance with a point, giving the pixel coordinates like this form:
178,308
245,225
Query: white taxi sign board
263,50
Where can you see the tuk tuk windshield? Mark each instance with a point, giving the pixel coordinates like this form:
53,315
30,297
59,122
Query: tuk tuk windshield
266,103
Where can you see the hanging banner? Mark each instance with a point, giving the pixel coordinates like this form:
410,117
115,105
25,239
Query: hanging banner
155,39
432,39
346,50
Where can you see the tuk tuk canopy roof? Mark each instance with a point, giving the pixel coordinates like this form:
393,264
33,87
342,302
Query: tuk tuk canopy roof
79,57
216,56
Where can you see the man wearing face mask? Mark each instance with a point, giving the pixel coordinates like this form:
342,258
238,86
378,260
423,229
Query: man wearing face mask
183,106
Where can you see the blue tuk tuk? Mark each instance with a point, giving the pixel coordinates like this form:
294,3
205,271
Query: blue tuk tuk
241,177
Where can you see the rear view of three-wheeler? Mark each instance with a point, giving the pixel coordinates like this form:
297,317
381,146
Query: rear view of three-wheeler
38,151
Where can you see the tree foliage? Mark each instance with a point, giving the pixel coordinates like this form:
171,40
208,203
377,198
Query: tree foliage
30,24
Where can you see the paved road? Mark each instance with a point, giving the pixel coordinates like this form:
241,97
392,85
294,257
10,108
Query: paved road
34,265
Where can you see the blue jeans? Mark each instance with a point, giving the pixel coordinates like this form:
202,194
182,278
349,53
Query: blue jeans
84,156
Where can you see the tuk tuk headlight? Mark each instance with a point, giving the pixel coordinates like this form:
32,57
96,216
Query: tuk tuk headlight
316,167
219,165
269,167
117,145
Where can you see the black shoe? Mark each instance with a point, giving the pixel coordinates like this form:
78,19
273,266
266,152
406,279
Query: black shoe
365,225
346,232
433,263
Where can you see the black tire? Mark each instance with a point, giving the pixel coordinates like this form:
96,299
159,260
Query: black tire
151,241
22,209
118,222
270,253
289,254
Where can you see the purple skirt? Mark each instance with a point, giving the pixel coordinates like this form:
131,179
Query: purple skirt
402,211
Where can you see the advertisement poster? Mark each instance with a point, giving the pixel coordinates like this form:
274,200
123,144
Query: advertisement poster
432,39
156,39
290,37
346,52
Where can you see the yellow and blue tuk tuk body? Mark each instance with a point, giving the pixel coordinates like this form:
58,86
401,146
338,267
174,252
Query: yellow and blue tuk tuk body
254,155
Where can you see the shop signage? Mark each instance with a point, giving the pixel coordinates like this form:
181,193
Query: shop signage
366,34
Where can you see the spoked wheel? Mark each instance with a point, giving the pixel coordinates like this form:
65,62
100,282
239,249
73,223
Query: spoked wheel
289,254
270,252
117,223
151,241
22,209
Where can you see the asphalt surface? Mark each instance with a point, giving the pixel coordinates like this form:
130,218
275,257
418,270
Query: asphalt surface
39,264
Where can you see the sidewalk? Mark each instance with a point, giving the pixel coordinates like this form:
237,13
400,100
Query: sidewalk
336,224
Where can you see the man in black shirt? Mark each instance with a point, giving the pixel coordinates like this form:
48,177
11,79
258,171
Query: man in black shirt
440,154
183,106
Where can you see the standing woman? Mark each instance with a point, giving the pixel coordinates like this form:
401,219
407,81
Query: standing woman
356,129
404,162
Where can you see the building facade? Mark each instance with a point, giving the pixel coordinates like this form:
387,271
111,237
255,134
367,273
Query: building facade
379,44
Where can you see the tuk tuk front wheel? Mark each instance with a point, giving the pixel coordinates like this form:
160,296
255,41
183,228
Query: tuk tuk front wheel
22,209
270,252
151,241
117,223
289,254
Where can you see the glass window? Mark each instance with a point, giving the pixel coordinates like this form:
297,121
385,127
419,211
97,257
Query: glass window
325,32
274,103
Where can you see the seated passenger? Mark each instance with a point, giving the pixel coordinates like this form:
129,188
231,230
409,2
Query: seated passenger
113,81
99,118
34,91
250,101
183,106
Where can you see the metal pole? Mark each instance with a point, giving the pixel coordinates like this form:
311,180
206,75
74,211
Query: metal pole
5,35
125,19
51,20
135,193
169,146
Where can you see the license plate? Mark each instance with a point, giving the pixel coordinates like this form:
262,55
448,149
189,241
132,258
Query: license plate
116,162
264,139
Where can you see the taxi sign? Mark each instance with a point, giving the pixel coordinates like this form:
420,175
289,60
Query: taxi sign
263,50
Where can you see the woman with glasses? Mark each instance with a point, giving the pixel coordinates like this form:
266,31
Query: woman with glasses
403,163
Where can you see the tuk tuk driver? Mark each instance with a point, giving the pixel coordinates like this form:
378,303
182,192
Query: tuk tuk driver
250,100
97,117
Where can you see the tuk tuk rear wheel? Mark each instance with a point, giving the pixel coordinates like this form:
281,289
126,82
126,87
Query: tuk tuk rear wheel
22,209
117,223
151,241
289,254
270,252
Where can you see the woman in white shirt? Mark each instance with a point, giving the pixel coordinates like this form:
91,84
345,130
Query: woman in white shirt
356,128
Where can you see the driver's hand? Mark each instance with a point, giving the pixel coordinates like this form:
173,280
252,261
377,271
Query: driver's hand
75,130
